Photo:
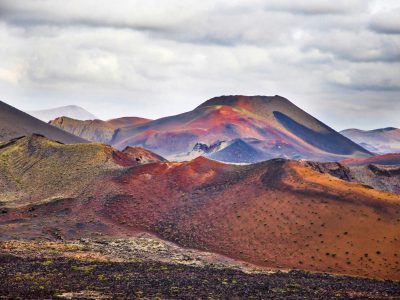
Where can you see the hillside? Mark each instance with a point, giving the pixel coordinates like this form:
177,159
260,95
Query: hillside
71,111
65,171
275,214
15,123
381,141
275,125
381,172
96,130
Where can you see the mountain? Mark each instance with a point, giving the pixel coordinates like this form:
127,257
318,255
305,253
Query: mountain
15,123
275,214
72,111
96,130
274,125
380,141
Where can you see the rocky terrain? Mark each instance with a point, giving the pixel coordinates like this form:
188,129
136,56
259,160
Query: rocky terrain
275,214
117,269
378,176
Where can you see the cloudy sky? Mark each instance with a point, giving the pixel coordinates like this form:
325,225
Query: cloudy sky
338,60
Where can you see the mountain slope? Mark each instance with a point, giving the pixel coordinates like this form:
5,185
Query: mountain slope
96,130
71,111
381,141
43,169
15,123
279,213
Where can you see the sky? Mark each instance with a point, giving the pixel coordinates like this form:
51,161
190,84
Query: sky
338,60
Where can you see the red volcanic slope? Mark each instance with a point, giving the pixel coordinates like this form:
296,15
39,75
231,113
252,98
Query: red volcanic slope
277,213
386,159
283,130
127,121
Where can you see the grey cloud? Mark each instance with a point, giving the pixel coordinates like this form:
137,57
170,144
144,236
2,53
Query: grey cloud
388,22
367,77
382,86
318,7
358,46
163,57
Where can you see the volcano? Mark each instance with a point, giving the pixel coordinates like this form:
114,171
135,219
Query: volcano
280,128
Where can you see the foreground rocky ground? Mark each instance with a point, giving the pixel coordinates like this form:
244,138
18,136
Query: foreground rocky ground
147,268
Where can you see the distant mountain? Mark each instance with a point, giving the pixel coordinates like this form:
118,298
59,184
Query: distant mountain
96,130
257,128
72,111
15,123
280,128
380,141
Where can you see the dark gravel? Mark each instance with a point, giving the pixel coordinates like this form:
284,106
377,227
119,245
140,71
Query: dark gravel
22,278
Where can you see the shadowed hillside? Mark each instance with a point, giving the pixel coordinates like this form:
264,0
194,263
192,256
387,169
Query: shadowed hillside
15,123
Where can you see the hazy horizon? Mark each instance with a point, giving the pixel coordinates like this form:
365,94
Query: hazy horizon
338,61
